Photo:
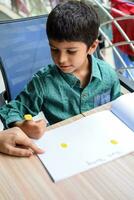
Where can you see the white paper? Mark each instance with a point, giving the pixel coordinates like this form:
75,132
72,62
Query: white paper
89,143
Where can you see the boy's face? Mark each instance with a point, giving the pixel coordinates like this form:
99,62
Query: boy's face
70,57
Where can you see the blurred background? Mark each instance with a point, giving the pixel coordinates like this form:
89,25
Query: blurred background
116,31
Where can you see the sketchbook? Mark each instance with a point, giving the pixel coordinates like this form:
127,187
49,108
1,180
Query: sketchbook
90,141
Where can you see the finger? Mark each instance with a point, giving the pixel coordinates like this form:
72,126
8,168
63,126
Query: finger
41,121
28,122
28,143
21,152
36,149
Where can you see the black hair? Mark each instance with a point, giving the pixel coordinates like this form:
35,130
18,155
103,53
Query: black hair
73,21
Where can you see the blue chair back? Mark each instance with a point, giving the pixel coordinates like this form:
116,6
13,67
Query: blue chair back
24,49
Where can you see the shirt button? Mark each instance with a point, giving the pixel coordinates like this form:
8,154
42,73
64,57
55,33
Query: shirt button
84,95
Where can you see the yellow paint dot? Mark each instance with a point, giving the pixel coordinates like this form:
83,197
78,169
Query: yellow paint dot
114,142
28,117
64,145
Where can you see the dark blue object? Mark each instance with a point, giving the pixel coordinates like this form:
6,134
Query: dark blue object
24,49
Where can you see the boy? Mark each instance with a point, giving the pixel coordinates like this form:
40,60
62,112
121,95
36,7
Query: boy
76,83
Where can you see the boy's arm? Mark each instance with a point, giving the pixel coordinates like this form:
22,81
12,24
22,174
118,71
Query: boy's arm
28,101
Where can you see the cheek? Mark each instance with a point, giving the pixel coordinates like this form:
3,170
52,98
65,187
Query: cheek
54,57
80,59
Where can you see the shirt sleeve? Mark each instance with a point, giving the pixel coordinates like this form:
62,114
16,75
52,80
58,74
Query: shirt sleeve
29,101
116,88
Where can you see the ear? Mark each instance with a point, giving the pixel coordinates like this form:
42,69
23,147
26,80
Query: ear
93,47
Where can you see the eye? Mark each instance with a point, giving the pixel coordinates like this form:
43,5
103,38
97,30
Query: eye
54,50
71,51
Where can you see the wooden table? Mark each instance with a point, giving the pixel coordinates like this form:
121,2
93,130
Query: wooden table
26,178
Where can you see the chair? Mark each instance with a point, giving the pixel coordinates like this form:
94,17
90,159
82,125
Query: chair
24,49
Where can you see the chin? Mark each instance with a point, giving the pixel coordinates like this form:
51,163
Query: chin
66,71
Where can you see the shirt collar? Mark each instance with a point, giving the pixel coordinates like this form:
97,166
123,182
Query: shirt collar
95,68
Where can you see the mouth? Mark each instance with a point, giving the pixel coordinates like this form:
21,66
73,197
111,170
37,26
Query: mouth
64,67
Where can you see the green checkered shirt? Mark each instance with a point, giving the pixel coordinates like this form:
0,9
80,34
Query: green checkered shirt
60,96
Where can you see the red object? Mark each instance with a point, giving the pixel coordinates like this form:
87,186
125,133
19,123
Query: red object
22,7
122,8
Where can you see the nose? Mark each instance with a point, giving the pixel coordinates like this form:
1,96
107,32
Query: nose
62,58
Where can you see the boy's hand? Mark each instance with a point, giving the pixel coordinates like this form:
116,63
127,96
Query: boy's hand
34,129
13,141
